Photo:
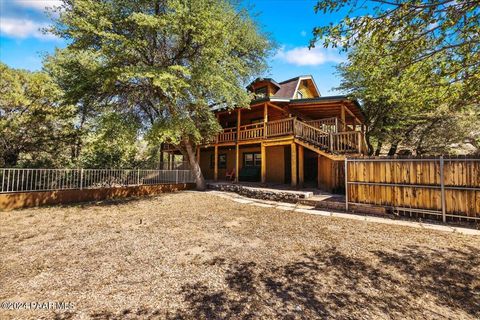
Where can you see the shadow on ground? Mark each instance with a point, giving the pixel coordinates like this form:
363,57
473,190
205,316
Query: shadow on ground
415,282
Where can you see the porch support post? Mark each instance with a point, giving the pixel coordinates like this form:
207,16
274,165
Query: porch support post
237,147
237,161
300,166
264,163
319,172
342,116
215,162
294,163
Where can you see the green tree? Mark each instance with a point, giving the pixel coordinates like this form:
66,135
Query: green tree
442,28
413,106
36,129
112,142
166,61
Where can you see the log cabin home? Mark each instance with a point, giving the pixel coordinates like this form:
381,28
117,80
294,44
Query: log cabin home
290,134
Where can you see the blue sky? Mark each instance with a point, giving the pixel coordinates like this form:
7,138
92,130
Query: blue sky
288,22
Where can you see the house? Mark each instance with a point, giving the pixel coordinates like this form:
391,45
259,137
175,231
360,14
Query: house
290,135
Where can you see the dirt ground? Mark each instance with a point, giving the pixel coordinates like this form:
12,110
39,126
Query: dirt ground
195,255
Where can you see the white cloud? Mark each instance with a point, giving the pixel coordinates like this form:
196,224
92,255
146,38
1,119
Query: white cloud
40,5
23,28
302,56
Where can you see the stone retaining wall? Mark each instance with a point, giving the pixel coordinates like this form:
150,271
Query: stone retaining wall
257,193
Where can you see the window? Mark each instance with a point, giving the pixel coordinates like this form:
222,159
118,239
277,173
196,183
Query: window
252,159
260,92
222,161
299,95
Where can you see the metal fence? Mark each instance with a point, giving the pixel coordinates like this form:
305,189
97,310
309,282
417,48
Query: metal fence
28,180
439,187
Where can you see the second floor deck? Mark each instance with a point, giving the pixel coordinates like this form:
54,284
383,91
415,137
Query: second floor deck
328,135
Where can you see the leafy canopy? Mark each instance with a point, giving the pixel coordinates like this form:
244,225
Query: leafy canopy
410,106
167,61
441,28
35,126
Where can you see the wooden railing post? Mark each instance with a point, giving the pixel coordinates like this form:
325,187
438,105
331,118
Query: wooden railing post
265,119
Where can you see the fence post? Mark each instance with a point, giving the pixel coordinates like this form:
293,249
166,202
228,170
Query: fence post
176,176
346,184
442,187
138,176
81,179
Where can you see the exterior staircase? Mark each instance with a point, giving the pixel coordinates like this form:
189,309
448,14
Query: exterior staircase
332,143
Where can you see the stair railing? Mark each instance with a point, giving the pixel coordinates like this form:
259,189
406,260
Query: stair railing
327,124
312,135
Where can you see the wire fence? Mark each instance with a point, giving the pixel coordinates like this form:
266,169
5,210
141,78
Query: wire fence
28,180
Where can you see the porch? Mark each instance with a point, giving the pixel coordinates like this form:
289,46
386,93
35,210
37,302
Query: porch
276,163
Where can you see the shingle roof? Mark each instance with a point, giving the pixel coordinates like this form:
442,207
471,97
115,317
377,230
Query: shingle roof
287,88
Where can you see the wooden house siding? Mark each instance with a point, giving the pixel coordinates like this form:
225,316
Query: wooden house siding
290,134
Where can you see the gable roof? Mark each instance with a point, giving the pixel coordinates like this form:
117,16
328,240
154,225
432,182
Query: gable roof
289,87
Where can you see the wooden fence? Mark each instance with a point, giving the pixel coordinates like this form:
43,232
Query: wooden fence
442,187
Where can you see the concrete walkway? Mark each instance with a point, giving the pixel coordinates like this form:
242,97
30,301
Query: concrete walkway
311,210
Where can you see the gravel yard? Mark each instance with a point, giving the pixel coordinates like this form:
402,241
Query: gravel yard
196,255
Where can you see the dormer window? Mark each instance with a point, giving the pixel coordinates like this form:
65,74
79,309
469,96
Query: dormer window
260,92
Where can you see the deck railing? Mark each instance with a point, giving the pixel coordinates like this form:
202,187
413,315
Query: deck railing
348,141
323,133
330,125
227,135
313,135
27,180
280,127
252,131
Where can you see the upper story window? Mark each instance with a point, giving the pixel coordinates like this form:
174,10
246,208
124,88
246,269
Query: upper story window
260,92
299,95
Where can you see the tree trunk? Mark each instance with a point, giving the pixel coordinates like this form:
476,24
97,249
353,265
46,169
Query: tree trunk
369,144
195,166
379,148
10,158
393,149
